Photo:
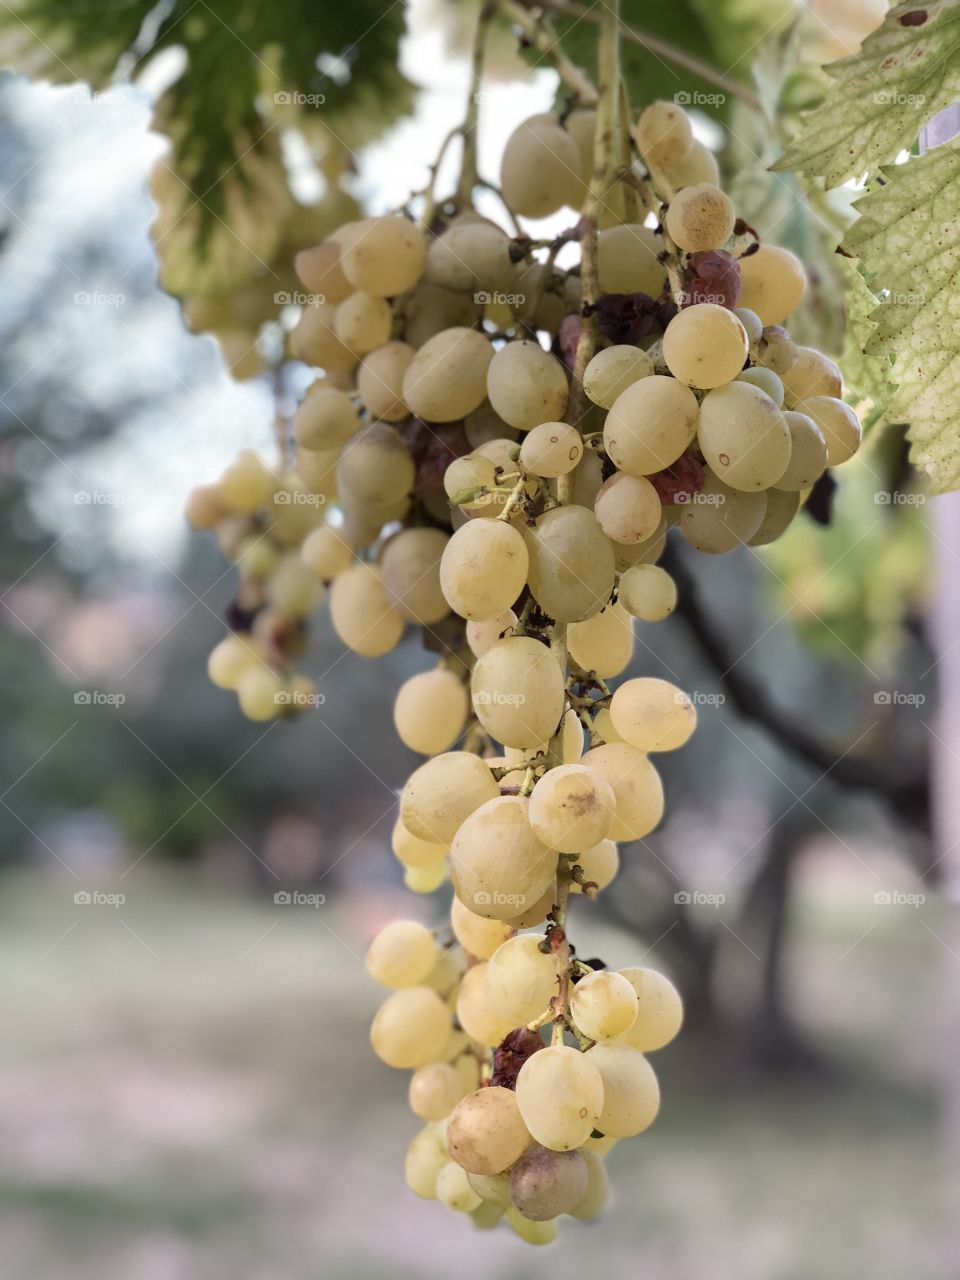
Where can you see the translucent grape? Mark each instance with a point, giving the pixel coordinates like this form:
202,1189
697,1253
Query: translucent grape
326,553
719,519
539,171
380,380
631,1094
659,1010
699,164
413,851
603,1005
743,436
628,509
259,693
472,257
498,865
230,659
811,374
808,453
292,590
551,449
386,257
447,378
319,270
363,322
410,1028
454,1190
376,466
604,643
839,424
430,711
475,1013
526,385
486,1133
325,420
768,382
410,566
521,979
571,567
652,714
544,1184
781,508
465,476
628,260
594,1198
560,1097
428,878
776,350
530,1232
751,323
700,217
663,133
246,485
442,793
773,283
361,612
650,425
599,865
426,1156
705,345
612,370
402,954
647,592
315,341
483,569
517,691
482,635
477,935
572,808
637,790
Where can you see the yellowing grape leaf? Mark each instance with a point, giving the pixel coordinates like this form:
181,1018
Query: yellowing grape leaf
905,72
908,240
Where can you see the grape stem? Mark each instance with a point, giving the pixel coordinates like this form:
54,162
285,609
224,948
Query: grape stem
469,176
538,32
653,204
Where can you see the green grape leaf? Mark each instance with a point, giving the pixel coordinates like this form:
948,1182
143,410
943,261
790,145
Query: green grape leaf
908,241
906,71
868,377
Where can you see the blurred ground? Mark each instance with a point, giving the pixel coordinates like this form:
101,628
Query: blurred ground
190,1096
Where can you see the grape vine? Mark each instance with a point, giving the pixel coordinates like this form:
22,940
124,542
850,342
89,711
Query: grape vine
495,452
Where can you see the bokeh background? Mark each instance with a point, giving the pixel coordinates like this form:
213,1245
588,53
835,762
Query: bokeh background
187,1090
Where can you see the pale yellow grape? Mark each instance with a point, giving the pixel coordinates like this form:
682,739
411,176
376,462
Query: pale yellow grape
484,569
410,565
467,1068
361,612
402,954
637,789
604,643
551,449
464,476
571,744
363,322
781,508
486,1133
319,270
560,1097
257,557
647,592
652,714
430,308
229,659
317,474
628,260
776,350
536,914
203,508
594,1198
430,711
376,466
768,382
587,479
246,485
628,509
603,1005
647,552
454,1190
811,374
526,385
612,370
484,425
650,425
326,553
494,1188
705,345
426,1156
410,1028
442,793
442,978
498,866
571,567
517,691
480,1019
472,257
325,420
743,436
385,257
663,133
839,424
315,341
808,453
773,283
380,380
572,808
428,878
413,851
540,168
544,1184
700,217
521,979
751,323
631,1094
447,378
259,693
719,519
603,726
699,164
599,864
530,1232
292,590
482,635
543,291
659,1010
477,935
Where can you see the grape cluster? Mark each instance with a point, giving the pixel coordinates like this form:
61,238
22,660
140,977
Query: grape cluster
478,478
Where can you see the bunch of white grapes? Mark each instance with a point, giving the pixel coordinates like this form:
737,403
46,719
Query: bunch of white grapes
461,484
